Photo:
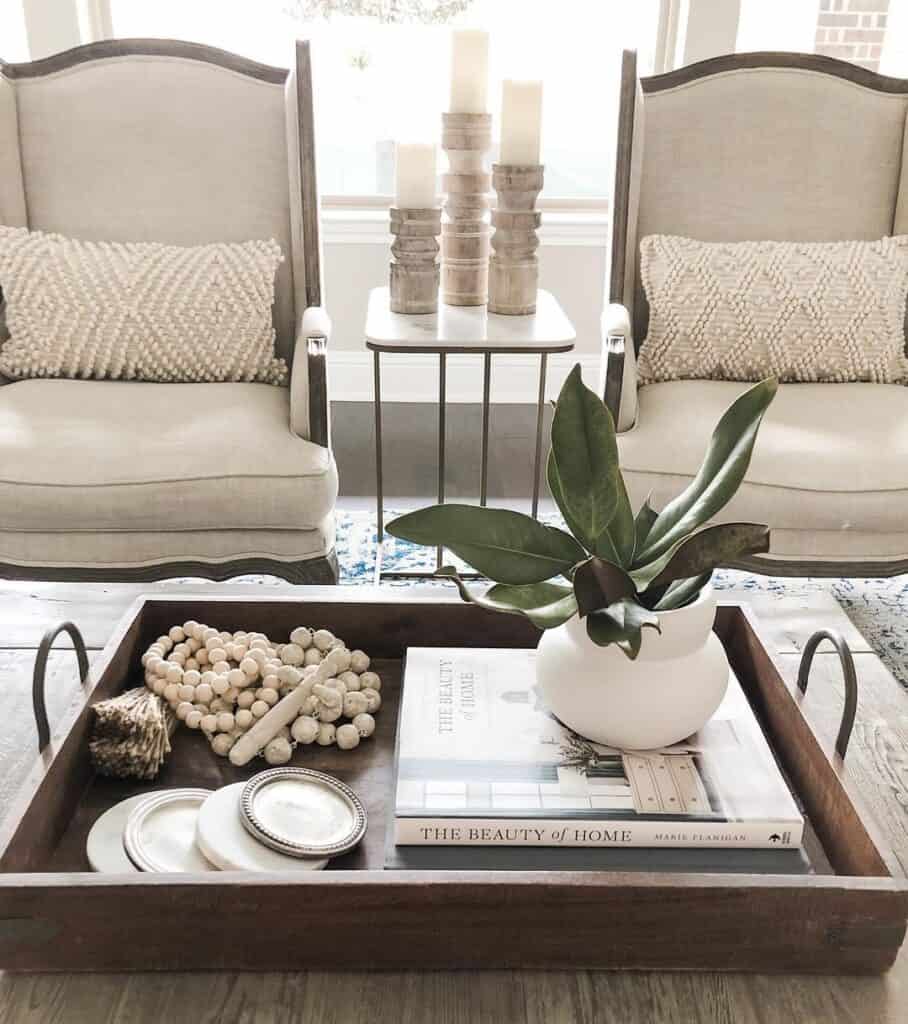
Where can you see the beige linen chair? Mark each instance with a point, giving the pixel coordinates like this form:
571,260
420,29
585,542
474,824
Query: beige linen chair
773,146
150,140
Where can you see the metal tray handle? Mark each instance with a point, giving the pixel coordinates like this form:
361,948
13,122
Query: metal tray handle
851,681
38,695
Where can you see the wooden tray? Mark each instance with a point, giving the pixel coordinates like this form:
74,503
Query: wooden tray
55,914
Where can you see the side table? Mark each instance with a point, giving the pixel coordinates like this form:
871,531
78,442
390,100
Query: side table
470,330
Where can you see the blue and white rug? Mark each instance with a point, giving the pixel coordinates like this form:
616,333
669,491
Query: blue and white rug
877,607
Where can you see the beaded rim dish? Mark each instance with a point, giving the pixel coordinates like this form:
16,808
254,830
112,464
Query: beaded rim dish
260,830
135,846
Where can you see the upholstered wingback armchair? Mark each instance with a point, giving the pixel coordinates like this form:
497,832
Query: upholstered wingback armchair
749,147
172,142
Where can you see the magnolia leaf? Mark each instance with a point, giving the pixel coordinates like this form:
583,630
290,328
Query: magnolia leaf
622,624
643,523
598,584
617,541
554,482
506,546
703,552
682,592
718,478
546,605
586,456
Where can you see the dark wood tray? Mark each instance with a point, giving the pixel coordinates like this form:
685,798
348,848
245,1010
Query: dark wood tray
55,914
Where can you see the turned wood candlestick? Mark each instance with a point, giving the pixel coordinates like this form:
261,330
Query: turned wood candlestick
414,260
467,139
514,265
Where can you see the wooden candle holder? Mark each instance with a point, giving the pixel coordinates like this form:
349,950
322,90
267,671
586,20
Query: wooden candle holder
514,265
414,260
467,139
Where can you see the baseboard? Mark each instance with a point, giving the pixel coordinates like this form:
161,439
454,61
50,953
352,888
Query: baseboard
414,378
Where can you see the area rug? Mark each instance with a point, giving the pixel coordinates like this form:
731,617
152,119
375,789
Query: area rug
877,607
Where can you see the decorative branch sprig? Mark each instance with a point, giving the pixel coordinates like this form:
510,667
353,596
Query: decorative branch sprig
620,569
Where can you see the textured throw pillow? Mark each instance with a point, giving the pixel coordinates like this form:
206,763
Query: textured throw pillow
138,311
800,311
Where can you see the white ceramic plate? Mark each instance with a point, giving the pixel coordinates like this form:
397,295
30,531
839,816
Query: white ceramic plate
160,832
221,837
104,847
302,813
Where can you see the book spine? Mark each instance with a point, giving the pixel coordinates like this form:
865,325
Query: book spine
424,831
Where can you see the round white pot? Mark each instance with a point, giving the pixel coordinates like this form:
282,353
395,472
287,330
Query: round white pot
672,688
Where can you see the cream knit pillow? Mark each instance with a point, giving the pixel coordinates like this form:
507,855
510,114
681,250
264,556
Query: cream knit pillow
799,311
138,311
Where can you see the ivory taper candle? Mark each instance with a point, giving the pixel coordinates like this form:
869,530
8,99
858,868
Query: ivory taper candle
415,176
469,71
521,122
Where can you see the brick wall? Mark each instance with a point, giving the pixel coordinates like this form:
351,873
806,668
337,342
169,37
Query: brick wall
852,30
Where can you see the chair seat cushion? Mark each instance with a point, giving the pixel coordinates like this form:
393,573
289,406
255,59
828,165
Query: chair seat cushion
127,456
828,456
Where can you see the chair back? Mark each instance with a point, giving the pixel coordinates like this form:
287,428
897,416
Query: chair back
752,147
143,140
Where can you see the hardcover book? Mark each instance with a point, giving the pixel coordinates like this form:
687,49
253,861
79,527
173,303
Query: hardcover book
482,762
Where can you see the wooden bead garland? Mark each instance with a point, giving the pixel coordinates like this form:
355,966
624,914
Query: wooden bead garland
240,686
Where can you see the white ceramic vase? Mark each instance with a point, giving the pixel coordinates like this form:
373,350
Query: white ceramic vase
672,688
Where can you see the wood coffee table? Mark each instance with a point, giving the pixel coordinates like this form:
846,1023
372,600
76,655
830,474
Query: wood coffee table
876,761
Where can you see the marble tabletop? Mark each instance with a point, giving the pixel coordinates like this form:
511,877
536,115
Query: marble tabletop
468,328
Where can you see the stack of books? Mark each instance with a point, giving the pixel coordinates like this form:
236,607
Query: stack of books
487,777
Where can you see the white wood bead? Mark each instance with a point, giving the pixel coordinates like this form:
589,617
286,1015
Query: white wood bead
231,694
289,675
217,683
204,693
194,719
292,654
374,699
244,718
192,644
221,668
176,634
162,669
359,661
350,680
259,657
201,656
159,686
187,692
327,695
326,714
165,642
192,663
365,723
370,681
326,734
209,723
182,649
269,696
271,682
238,678
249,666
355,703
183,709
245,699
190,627
259,642
217,654
222,743
304,730
208,633
344,659
313,656
347,736
301,636
177,659
336,684
153,664
218,704
174,673
226,722
278,751
323,639
259,708
171,693
310,704
192,677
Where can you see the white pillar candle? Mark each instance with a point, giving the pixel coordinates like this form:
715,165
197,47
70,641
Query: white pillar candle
521,122
469,71
415,187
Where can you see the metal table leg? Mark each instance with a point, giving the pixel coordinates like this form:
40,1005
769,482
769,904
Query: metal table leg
379,498
441,441
484,457
540,409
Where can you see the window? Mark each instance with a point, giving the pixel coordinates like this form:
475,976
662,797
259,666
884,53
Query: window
13,41
381,71
871,33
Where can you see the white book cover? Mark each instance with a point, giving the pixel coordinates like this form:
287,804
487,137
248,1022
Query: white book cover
481,761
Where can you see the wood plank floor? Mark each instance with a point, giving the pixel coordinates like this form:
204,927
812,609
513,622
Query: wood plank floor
878,757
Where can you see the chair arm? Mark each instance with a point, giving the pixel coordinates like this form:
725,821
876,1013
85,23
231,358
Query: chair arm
618,368
309,408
